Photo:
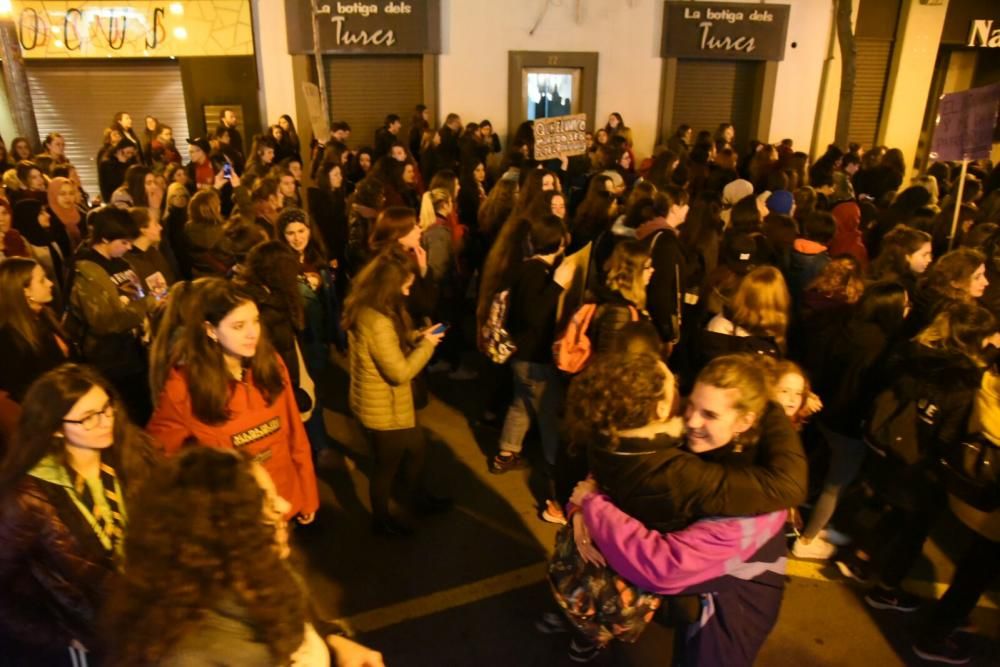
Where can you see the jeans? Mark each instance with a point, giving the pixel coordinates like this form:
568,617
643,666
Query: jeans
537,390
847,455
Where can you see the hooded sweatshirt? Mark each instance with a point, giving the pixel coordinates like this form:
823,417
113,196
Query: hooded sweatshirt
807,261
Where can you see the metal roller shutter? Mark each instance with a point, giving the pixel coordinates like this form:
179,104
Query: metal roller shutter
872,70
364,89
710,92
79,101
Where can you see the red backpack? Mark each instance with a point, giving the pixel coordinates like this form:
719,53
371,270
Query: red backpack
572,351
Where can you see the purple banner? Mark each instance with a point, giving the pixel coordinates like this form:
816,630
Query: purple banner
965,124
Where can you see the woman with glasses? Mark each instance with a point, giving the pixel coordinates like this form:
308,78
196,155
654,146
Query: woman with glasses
65,486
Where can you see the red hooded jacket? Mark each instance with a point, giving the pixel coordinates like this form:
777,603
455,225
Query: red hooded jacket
272,435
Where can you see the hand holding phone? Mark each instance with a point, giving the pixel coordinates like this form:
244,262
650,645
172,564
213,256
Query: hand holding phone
227,171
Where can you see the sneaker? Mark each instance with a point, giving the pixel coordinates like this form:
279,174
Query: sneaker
553,513
835,537
505,462
463,373
552,623
946,651
855,569
581,650
895,599
815,549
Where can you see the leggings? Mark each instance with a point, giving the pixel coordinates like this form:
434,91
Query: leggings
973,575
399,455
847,455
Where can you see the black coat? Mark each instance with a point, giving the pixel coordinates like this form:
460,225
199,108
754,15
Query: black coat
666,487
22,363
612,316
531,318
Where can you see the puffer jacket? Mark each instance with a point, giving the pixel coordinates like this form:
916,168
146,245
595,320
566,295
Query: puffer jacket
381,397
107,331
668,487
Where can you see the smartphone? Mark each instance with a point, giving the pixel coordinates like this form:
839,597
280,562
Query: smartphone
440,329
227,170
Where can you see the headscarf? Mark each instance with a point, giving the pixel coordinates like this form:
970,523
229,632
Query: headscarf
69,216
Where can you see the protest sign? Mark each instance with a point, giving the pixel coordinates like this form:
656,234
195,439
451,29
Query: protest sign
965,124
560,136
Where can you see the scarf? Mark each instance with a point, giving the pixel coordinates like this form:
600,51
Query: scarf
108,523
69,216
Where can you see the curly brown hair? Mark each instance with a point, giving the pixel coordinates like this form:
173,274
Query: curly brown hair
598,402
198,534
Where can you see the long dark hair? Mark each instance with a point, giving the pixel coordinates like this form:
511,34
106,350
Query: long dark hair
180,564
45,405
315,252
498,206
379,287
274,266
203,361
15,313
135,183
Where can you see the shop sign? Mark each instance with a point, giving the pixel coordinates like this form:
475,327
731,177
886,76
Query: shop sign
560,136
730,31
388,26
965,124
138,29
982,33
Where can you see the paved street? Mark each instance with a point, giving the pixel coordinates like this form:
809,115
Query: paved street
468,588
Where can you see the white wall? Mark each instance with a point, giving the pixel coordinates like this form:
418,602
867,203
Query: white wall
626,33
478,34
274,64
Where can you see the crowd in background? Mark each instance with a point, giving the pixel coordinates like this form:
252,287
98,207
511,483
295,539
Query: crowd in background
718,346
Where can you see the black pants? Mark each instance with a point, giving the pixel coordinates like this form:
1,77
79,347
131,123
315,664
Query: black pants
399,455
922,501
973,575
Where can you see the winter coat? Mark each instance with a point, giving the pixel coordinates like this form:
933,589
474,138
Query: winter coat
614,313
985,420
531,317
53,568
205,248
107,331
381,372
225,634
667,487
271,435
329,210
849,376
722,337
24,364
807,261
361,221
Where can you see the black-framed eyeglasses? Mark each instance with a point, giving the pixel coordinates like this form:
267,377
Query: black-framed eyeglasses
90,422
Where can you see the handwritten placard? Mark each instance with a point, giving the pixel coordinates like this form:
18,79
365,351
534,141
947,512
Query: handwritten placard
560,136
965,124
724,30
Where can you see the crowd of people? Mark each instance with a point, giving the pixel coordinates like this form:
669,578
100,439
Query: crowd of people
719,346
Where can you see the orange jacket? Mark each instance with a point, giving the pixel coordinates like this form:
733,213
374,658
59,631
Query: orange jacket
272,435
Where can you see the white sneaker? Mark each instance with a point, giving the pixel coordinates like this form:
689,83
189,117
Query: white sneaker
835,537
817,549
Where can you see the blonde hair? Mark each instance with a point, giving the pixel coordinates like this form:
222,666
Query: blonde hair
743,373
625,268
960,327
429,204
761,304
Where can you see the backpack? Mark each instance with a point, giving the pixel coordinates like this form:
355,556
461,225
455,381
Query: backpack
497,342
572,351
895,429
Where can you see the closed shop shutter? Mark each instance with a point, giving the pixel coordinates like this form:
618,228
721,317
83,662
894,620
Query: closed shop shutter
711,92
872,70
79,101
364,89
